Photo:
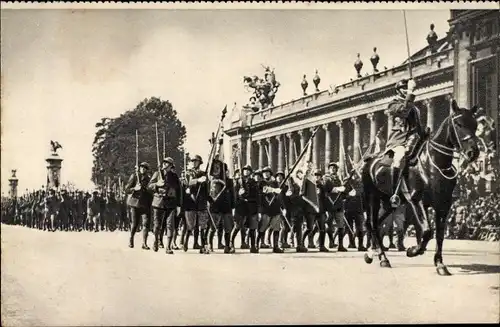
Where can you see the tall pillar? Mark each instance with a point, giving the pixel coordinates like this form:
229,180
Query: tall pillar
373,127
53,171
429,103
281,152
13,185
291,150
270,159
341,147
328,144
261,153
302,135
315,155
249,151
356,147
389,123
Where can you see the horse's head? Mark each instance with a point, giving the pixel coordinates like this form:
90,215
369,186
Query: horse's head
462,131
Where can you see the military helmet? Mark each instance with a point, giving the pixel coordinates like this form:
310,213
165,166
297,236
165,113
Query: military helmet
402,87
333,164
144,164
248,167
279,172
197,158
258,172
168,160
267,169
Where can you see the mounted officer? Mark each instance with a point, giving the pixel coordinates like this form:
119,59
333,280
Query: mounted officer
138,202
406,133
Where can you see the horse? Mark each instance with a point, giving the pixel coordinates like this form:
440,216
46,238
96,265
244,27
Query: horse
430,172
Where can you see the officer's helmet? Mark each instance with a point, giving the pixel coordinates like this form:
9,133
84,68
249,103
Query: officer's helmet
402,88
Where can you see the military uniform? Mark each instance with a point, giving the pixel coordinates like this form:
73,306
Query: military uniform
335,197
139,202
298,206
166,201
270,209
94,210
196,205
222,209
354,214
51,211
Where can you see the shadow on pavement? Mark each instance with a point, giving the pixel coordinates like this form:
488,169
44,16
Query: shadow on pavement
477,269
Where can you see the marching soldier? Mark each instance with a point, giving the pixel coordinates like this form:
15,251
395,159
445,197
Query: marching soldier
138,202
354,213
285,229
223,210
196,204
335,195
247,209
165,185
64,210
321,215
298,206
94,210
51,210
272,201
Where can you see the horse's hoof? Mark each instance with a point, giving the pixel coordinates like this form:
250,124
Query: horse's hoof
442,270
385,263
368,260
412,251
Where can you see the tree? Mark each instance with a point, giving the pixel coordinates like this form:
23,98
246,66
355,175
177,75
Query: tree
114,142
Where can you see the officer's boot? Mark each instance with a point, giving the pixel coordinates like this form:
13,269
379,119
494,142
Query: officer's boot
276,240
211,240
227,241
391,239
401,238
284,239
331,239
322,247
253,248
220,232
186,241
341,233
269,232
300,241
361,248
168,249
310,240
196,234
243,235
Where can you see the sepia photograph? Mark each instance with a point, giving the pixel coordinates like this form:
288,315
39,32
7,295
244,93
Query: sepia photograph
246,163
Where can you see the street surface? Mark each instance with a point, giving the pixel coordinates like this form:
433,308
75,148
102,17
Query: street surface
95,279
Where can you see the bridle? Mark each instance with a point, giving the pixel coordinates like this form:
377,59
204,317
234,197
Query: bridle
448,151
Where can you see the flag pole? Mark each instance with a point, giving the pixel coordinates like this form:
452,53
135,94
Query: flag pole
407,45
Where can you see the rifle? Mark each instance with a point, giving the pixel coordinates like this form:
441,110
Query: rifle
158,154
212,150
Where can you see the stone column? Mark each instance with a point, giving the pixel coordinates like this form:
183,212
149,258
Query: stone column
270,159
429,103
302,135
328,144
356,147
341,147
261,153
389,123
281,152
249,152
13,185
291,150
373,127
315,155
53,171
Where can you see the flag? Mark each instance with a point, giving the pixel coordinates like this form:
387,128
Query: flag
308,183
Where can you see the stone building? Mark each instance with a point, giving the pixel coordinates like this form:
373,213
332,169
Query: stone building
464,65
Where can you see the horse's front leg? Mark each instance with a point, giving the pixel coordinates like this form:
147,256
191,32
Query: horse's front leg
440,220
376,246
422,227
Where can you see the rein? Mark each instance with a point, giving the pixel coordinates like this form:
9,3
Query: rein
445,150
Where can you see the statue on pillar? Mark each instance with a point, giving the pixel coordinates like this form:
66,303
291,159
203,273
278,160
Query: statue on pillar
432,39
13,184
54,166
264,89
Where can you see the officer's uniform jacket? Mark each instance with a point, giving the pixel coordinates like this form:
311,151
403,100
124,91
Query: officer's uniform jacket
330,182
93,206
406,122
249,201
51,205
141,198
274,208
198,197
167,196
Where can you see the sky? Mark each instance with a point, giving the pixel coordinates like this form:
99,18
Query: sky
62,70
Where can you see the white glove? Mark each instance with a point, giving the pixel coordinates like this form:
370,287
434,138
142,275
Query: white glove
202,179
233,212
178,211
160,183
188,191
411,86
241,191
283,212
352,193
260,216
137,187
288,193
340,189
277,190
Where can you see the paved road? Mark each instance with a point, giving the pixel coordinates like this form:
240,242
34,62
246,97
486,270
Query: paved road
94,279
